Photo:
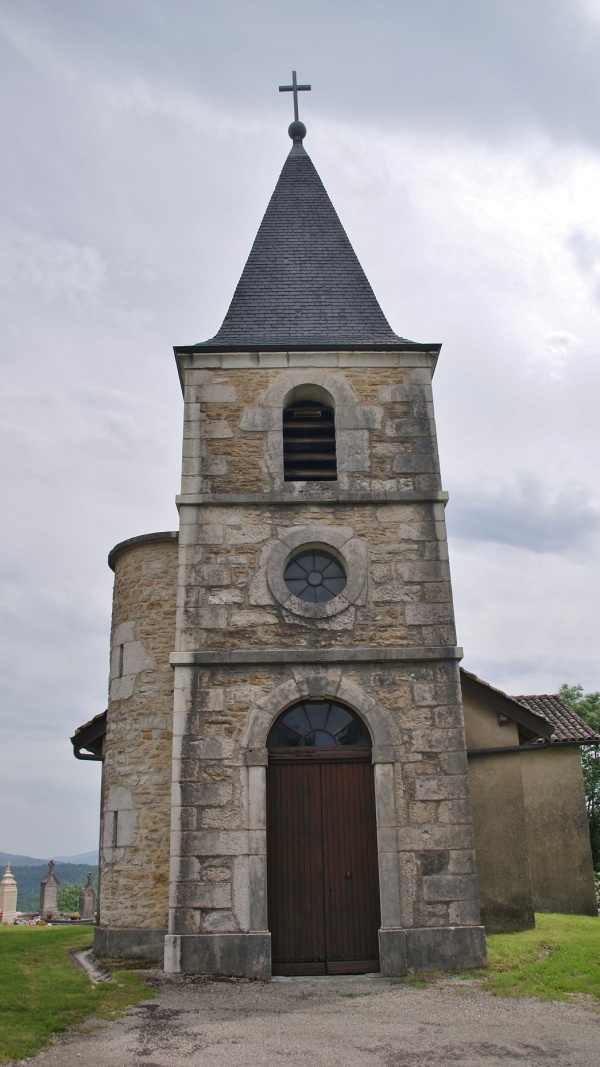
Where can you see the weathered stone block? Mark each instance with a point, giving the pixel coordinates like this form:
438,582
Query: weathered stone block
449,948
438,741
218,394
203,895
449,887
456,762
434,861
414,462
118,942
423,812
424,572
421,614
465,913
236,955
212,794
441,787
461,862
416,839
215,843
431,915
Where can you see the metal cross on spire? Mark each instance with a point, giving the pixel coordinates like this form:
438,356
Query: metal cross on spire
295,89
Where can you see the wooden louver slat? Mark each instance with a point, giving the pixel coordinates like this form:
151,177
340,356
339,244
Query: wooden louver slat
309,443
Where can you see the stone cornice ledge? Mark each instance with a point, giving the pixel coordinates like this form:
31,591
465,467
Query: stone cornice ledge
241,656
436,496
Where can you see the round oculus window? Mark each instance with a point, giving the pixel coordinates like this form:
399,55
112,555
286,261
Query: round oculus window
314,576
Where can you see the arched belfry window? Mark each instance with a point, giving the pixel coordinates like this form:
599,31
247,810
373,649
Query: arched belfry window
319,724
309,442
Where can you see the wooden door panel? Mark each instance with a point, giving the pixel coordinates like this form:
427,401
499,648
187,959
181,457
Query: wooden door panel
350,862
295,864
323,881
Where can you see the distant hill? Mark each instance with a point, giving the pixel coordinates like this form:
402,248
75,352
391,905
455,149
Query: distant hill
81,857
29,861
28,877
23,861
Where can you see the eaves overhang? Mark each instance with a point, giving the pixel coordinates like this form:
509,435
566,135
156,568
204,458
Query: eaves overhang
183,353
504,705
90,737
314,346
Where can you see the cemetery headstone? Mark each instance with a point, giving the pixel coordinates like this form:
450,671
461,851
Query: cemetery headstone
87,899
8,897
49,894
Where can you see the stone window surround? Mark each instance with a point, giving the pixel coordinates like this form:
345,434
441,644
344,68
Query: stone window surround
353,420
340,542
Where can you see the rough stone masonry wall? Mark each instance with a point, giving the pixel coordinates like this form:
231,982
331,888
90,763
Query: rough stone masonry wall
136,813
396,552
385,427
386,445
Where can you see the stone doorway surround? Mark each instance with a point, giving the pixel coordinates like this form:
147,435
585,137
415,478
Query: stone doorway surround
248,953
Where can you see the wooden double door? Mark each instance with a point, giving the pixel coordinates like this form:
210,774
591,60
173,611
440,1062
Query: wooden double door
323,884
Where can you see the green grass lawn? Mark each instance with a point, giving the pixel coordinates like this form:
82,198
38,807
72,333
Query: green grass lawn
559,960
42,992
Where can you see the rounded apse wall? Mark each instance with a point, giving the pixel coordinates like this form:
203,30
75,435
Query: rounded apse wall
137,767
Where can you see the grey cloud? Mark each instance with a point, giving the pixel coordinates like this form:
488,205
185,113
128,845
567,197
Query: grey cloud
492,68
585,248
516,674
524,515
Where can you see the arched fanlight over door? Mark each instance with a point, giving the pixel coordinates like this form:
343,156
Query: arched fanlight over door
309,442
319,724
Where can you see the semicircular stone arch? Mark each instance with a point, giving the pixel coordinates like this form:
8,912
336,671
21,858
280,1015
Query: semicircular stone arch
309,392
329,685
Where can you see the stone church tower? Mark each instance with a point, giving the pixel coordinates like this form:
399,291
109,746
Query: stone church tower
318,793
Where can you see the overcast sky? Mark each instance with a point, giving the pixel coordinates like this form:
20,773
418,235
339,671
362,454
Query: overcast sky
141,140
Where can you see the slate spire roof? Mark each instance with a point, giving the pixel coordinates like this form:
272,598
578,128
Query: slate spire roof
303,284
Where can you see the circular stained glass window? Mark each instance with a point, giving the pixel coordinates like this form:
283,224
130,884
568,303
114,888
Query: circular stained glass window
318,724
315,576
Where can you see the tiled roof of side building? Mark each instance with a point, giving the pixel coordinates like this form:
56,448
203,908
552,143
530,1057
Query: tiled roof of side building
568,726
302,283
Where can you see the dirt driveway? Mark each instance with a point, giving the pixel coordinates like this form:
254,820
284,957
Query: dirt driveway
333,1022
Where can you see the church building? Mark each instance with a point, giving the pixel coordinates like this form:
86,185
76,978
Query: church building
285,781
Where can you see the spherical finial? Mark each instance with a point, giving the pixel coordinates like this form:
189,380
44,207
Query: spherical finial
297,130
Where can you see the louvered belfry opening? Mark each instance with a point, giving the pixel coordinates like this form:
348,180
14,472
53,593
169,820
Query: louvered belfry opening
309,443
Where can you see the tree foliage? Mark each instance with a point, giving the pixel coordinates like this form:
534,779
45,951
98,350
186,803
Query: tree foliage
587,705
68,896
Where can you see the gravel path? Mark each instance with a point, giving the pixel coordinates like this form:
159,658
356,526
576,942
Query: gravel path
333,1022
